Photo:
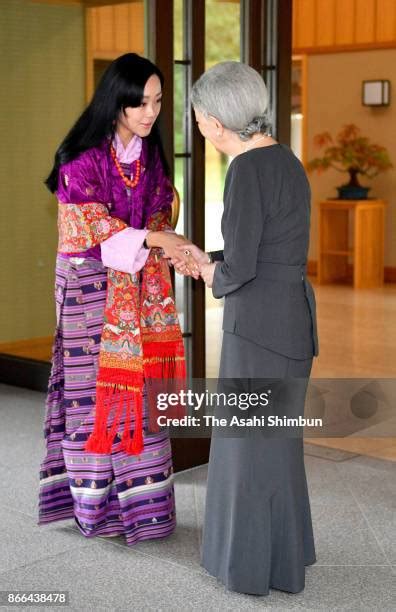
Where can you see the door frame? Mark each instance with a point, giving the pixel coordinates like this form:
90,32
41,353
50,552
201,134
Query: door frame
267,47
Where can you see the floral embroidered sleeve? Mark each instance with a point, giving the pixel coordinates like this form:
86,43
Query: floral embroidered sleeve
83,226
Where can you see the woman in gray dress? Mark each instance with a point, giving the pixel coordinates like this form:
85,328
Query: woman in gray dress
258,531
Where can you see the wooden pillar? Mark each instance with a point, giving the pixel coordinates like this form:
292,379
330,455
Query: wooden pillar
159,48
284,63
267,47
252,33
196,52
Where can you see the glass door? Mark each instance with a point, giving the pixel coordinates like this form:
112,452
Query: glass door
207,32
189,171
182,157
222,42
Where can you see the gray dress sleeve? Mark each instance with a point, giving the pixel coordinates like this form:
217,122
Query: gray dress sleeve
242,225
216,255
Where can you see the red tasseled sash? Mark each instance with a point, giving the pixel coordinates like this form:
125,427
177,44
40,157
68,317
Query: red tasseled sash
141,337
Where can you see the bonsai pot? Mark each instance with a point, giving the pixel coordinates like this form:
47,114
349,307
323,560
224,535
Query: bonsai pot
353,190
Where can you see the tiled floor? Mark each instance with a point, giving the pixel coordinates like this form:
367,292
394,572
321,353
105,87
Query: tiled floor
357,336
353,501
357,332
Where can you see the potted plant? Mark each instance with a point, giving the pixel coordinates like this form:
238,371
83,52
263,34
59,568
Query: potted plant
350,152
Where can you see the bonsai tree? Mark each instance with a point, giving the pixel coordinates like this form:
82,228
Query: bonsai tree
350,152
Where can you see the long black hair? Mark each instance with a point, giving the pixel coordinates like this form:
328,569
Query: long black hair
121,85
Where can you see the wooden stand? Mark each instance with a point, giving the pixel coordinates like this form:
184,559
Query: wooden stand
367,248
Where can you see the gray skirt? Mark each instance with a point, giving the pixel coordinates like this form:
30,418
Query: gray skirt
257,530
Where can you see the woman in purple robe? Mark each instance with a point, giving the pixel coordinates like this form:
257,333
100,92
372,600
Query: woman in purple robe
112,159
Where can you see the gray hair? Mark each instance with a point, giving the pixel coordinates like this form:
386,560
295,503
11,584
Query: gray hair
236,95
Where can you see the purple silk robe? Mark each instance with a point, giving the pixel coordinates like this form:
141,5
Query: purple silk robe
116,493
93,177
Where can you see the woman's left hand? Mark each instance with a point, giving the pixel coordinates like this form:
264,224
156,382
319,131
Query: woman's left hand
207,272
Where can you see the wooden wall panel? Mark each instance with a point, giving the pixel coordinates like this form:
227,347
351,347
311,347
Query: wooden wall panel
325,22
117,29
365,16
105,28
386,21
121,27
136,27
306,23
328,26
91,23
345,22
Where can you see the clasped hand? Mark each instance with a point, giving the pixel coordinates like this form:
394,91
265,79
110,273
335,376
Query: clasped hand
186,257
195,263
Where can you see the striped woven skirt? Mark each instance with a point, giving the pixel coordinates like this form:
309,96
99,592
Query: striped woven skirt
105,494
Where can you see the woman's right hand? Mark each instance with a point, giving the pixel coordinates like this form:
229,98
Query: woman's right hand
197,258
173,245
199,255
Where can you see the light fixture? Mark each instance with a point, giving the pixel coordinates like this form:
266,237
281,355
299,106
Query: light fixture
376,93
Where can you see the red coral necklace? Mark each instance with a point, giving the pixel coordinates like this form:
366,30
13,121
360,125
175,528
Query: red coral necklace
136,177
